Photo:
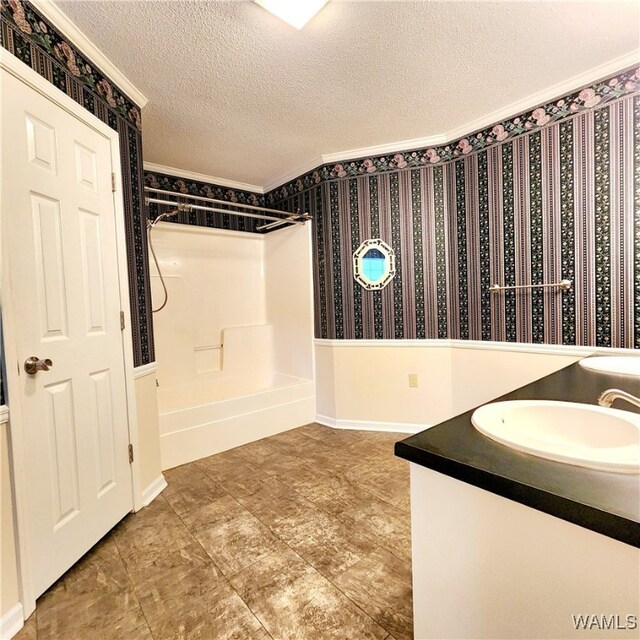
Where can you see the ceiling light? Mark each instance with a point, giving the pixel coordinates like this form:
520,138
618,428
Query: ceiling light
295,12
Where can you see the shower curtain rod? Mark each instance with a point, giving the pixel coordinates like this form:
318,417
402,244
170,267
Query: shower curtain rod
216,201
245,214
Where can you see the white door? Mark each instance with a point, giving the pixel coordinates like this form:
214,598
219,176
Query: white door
59,236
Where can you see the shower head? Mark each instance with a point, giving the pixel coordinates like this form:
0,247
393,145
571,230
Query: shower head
181,208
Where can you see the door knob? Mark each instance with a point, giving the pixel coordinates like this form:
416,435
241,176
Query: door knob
33,364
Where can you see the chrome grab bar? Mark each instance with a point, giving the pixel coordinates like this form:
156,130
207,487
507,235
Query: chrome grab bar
564,285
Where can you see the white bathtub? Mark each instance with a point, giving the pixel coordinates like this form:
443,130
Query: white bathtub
204,417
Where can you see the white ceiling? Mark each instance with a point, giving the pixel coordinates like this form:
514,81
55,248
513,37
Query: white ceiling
236,93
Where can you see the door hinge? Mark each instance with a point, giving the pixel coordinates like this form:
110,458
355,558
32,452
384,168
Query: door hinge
122,321
130,454
113,182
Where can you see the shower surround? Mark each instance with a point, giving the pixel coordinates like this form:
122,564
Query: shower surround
234,343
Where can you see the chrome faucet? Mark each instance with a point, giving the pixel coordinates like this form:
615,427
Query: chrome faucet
606,398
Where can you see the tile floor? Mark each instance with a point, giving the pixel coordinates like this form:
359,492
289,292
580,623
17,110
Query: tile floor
304,535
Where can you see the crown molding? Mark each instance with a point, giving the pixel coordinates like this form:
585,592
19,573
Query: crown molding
295,173
526,104
201,177
62,22
381,149
543,96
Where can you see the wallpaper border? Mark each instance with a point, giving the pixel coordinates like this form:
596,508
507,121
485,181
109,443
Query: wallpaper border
613,87
42,33
191,187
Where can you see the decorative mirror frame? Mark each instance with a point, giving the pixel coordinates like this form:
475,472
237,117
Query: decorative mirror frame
390,264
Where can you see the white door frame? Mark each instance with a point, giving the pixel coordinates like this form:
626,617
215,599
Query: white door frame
28,76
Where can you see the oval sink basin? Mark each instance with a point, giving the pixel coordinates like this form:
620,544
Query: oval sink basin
579,434
627,365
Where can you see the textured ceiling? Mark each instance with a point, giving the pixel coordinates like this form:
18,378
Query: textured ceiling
236,93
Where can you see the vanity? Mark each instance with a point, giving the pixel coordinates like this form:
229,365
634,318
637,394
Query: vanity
511,545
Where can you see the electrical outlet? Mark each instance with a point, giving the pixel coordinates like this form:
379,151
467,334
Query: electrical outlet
413,380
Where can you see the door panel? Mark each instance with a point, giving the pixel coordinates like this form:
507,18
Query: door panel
102,401
41,143
91,252
59,234
50,281
62,452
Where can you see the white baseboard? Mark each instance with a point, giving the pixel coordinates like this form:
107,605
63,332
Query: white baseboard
11,622
153,490
369,425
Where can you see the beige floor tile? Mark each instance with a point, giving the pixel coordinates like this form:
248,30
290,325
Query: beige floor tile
228,465
381,585
272,500
386,525
99,572
231,535
184,597
393,487
190,488
330,493
333,437
293,521
154,529
109,613
294,602
323,541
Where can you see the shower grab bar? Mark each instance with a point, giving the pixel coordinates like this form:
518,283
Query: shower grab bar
214,200
290,219
565,285
206,347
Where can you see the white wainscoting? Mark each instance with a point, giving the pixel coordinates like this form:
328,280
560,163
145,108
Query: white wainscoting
364,384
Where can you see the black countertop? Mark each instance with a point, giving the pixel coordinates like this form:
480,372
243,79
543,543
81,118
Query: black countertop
608,503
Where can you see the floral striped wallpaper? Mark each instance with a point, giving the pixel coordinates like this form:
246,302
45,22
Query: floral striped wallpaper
548,194
559,199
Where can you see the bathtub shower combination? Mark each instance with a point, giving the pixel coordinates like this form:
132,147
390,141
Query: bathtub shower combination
233,336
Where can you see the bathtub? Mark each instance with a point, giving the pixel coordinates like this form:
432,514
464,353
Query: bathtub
204,417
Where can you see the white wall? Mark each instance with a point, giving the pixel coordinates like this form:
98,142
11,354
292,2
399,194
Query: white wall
151,480
365,384
480,374
488,567
9,581
289,299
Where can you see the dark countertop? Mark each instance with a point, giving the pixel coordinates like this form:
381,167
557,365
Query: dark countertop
608,503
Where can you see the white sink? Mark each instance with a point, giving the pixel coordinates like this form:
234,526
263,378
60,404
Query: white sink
628,365
579,434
